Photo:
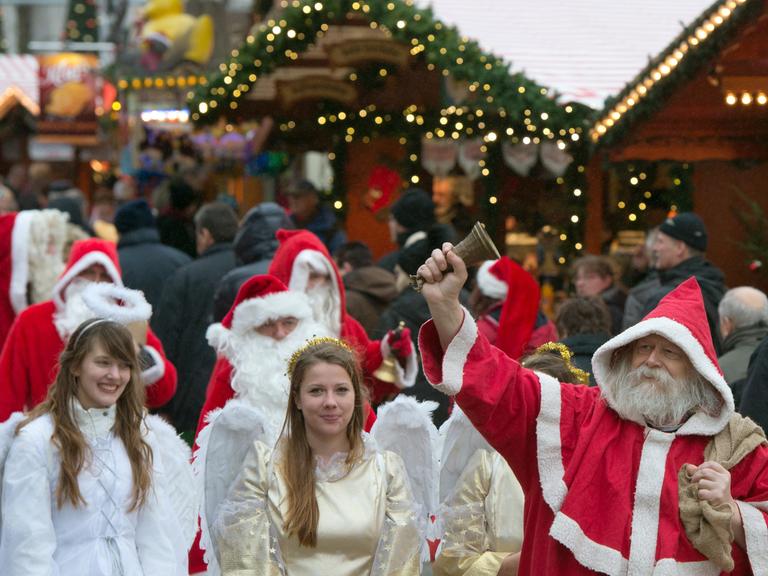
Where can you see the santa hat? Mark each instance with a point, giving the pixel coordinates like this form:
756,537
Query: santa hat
117,303
260,299
300,252
84,254
505,279
681,318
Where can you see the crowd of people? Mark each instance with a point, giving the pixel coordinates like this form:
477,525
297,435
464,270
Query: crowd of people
188,392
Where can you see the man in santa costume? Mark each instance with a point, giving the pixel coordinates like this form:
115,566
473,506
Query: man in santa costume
31,258
29,358
651,473
254,342
303,263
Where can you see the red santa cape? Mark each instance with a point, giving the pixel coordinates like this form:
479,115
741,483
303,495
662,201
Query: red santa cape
505,280
30,355
601,491
19,253
299,253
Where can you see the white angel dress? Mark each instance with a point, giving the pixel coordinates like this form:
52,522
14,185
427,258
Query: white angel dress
101,537
367,523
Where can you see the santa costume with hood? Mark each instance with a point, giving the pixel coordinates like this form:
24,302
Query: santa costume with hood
31,258
515,323
301,254
601,491
30,356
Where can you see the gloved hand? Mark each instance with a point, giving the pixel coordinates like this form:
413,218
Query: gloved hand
400,342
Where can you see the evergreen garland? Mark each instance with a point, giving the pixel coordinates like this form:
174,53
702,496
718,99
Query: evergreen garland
82,22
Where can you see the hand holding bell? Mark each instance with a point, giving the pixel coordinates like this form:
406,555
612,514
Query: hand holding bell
477,247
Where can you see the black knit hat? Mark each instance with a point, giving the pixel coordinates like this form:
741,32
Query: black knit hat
134,215
687,227
414,210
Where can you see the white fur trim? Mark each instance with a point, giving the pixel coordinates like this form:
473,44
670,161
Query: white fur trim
20,261
489,284
456,356
548,444
404,377
760,506
218,337
102,298
588,552
305,261
155,372
256,311
756,532
89,259
671,567
699,423
198,472
645,509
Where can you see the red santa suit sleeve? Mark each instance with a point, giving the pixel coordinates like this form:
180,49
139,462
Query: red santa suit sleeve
159,379
749,487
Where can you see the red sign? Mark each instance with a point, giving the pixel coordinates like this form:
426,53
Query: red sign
68,93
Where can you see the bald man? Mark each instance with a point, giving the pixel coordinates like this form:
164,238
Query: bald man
743,315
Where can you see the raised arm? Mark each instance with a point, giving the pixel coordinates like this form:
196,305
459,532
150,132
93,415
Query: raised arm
441,291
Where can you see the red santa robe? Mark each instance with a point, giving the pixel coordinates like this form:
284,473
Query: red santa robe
29,359
301,250
601,491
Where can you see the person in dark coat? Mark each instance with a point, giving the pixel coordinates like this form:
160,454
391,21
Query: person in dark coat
254,246
369,288
679,254
410,217
754,398
410,307
186,311
584,324
595,276
743,325
176,224
309,213
147,263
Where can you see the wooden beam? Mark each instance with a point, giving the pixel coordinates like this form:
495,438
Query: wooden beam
593,235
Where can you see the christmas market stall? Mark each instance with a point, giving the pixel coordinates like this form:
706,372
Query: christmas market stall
690,132
386,96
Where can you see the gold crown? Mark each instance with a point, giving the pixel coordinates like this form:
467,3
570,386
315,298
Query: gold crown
311,344
580,375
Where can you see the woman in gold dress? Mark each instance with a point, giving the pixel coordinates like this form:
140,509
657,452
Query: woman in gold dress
325,500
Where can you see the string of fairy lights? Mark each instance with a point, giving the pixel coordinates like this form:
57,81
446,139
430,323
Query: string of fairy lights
500,107
693,47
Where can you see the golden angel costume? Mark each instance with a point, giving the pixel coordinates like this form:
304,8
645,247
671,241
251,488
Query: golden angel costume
368,521
482,519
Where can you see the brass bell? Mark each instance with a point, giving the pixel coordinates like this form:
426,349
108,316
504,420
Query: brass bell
477,247
386,372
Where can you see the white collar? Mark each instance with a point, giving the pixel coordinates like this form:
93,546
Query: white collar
94,422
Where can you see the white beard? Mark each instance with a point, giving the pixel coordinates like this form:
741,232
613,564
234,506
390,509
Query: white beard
325,307
75,310
653,396
260,366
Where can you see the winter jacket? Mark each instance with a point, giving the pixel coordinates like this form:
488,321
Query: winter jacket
634,307
710,279
185,312
254,246
615,298
737,350
754,397
177,231
583,347
147,264
369,289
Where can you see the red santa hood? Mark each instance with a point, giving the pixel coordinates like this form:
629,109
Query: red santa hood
505,279
299,253
86,253
681,318
260,299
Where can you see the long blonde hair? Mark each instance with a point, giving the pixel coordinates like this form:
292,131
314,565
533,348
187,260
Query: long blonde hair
116,341
298,463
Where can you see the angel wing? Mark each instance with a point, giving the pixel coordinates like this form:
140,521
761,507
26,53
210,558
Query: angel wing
460,440
404,426
175,456
7,434
222,446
